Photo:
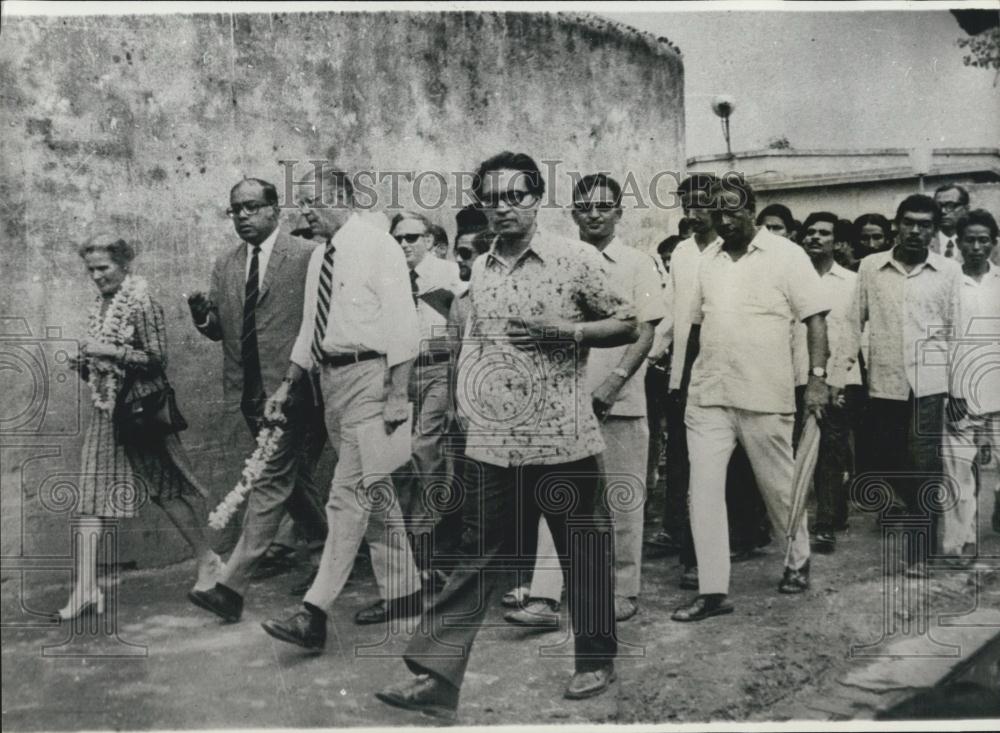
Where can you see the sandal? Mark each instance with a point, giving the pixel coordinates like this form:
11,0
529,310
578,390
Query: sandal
515,598
703,607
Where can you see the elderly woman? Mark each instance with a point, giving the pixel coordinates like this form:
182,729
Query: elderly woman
125,357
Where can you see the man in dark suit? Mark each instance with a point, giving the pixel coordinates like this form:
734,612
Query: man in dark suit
255,309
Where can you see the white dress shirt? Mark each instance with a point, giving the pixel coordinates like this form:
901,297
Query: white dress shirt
837,285
939,245
371,308
435,274
266,247
684,277
975,372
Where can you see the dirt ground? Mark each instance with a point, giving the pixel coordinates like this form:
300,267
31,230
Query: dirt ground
776,658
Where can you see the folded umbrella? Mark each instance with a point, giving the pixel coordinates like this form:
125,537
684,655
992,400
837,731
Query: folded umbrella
805,466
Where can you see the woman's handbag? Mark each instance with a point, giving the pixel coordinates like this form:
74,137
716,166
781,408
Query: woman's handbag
147,417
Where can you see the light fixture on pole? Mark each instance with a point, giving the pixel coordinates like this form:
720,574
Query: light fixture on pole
723,106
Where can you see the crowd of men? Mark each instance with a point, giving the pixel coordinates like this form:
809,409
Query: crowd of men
543,374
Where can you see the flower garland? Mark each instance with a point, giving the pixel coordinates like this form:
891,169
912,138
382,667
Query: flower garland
115,328
267,443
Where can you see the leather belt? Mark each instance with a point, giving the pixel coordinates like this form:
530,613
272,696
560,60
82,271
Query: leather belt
353,357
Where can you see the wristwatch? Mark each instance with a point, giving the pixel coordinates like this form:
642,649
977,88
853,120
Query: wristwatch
578,333
818,371
619,372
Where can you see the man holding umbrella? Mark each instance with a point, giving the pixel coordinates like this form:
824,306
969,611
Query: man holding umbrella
740,383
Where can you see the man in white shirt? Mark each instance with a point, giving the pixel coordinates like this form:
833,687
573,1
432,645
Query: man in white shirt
953,203
434,283
360,330
974,405
909,297
835,462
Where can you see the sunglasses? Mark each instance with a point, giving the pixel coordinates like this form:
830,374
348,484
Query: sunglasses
408,238
511,198
250,207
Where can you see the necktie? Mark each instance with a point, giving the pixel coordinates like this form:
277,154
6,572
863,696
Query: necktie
414,288
323,297
949,248
253,386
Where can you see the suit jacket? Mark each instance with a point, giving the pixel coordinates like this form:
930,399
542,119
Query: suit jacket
278,315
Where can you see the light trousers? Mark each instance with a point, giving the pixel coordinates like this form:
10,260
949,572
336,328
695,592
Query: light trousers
712,434
625,457
960,450
353,397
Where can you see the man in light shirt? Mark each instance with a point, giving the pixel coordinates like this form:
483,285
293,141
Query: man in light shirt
360,331
741,386
974,405
835,462
910,299
953,203
434,283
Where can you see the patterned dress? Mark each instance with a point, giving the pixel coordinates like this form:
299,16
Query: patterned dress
117,478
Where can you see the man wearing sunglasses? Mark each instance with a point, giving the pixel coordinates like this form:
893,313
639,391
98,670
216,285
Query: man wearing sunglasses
539,301
254,308
434,283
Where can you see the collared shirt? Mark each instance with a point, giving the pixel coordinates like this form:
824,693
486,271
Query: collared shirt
745,309
438,284
908,316
837,285
684,278
371,308
266,247
975,376
636,276
939,245
527,403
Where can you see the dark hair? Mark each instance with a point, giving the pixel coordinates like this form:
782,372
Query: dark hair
439,234
917,203
842,231
816,216
121,252
469,220
588,183
510,161
669,244
404,215
270,192
735,183
963,193
875,219
977,216
697,182
782,212
483,241
684,226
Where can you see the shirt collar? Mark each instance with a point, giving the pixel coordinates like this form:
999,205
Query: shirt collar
268,244
613,250
345,231
992,271
537,248
423,267
839,271
933,261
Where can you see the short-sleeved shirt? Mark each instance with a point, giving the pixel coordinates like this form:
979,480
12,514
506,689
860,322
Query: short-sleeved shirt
528,404
838,285
684,278
637,277
746,309
974,373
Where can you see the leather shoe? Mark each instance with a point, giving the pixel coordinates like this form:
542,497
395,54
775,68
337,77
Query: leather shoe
703,607
538,613
302,587
276,561
795,581
224,602
663,540
824,542
425,693
306,628
689,579
382,610
625,608
588,684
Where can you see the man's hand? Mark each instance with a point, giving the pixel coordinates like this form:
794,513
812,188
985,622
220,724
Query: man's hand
816,397
200,307
837,397
274,408
605,395
76,363
530,331
956,409
394,412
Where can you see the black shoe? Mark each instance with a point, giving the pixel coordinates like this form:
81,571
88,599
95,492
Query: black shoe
795,581
303,586
306,628
824,542
224,602
433,581
703,607
425,693
277,561
663,540
382,610
589,684
689,579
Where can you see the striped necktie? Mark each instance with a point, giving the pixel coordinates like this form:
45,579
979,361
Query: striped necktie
252,382
323,297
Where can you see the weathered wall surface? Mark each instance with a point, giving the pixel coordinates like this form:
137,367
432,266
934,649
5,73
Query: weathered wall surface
146,122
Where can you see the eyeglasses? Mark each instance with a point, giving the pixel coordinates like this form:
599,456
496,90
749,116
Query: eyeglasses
408,238
601,206
250,207
511,198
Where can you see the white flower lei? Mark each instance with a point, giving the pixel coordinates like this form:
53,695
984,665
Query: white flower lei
267,443
115,328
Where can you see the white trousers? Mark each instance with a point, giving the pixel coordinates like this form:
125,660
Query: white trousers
960,451
712,433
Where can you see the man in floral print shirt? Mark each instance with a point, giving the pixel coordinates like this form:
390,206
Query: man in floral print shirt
538,303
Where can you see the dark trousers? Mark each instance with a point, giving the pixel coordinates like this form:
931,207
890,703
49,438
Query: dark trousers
501,512
908,434
657,486
744,504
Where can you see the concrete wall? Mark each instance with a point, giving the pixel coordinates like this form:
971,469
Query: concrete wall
146,122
